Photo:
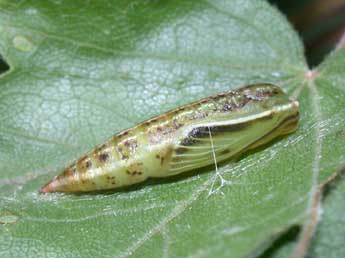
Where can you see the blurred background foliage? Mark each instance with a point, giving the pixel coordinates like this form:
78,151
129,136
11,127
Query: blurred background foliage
320,23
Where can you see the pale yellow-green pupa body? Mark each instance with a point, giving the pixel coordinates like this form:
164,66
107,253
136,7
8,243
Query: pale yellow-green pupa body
183,139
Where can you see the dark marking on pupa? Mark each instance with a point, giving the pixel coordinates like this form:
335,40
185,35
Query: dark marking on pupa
88,164
161,158
226,151
133,173
103,157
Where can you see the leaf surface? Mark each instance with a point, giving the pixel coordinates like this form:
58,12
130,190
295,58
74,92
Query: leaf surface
82,71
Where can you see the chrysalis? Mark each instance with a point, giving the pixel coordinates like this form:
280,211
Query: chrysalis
178,141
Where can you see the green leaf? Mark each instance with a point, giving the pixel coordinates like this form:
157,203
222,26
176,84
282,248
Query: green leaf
81,71
329,239
329,93
330,236
328,80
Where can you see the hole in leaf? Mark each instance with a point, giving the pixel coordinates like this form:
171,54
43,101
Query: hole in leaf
4,67
282,244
